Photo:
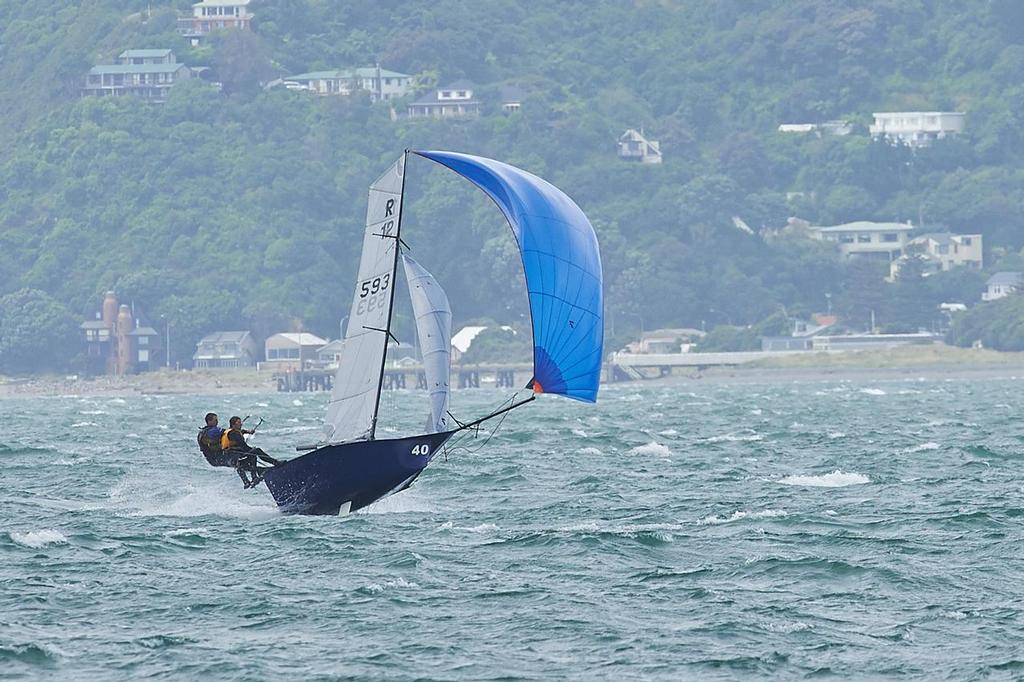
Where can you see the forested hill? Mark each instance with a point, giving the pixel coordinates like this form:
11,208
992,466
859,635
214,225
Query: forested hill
242,208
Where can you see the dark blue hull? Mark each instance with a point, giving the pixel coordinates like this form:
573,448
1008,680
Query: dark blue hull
351,475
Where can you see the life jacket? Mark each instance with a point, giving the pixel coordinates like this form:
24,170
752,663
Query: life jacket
210,439
225,440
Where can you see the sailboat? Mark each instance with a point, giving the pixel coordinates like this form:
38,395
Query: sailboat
350,467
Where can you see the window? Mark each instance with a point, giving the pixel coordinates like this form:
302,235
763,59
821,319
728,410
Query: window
864,238
966,241
462,93
143,340
846,239
143,355
943,249
890,237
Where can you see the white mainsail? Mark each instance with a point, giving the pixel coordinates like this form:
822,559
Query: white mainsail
352,411
434,329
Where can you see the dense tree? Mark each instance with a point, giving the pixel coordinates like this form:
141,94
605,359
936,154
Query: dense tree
37,333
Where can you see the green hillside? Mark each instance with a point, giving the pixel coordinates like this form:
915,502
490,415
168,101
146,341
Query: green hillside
243,208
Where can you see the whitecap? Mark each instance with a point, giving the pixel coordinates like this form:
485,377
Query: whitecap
78,425
184,531
590,451
36,539
738,515
735,438
580,433
668,432
872,391
651,448
91,412
921,447
262,405
297,403
836,434
118,401
836,479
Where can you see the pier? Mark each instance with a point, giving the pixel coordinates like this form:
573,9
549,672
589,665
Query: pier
412,377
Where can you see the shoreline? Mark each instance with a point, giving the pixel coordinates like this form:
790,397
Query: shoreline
906,363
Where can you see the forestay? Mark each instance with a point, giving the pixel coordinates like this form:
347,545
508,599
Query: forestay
352,411
562,264
434,329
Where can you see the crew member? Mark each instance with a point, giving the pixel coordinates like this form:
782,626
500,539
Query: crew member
210,440
233,441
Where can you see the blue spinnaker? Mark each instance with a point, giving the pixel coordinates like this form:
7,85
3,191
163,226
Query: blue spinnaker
562,263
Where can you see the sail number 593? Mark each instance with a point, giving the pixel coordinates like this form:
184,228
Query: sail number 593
374,286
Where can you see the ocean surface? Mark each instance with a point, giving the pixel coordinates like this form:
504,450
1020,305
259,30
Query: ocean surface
863,529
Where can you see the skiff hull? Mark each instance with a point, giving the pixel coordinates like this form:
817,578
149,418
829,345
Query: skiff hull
350,476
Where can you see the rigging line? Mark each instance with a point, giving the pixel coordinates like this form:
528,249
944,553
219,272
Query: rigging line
487,440
464,431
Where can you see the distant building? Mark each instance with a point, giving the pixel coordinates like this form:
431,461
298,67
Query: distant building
802,335
1003,284
380,83
463,339
116,343
214,15
149,74
292,350
864,239
223,350
917,128
941,251
633,146
329,355
147,56
452,101
838,128
662,341
511,98
869,341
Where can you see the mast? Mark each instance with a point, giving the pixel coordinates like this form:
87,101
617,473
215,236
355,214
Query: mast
391,305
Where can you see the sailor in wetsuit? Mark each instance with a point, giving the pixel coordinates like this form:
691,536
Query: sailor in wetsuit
212,439
233,443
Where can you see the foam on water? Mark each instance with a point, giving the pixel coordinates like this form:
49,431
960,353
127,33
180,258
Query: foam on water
739,516
652,448
37,539
137,496
922,447
836,479
735,438
872,391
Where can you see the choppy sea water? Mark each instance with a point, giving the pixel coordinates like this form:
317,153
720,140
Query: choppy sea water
860,529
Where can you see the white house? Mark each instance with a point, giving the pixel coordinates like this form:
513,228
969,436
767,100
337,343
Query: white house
1003,284
214,15
940,251
633,146
451,101
917,128
380,83
838,128
862,238
292,350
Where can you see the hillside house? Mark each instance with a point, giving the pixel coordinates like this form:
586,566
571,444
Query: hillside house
147,56
214,15
1003,284
633,146
511,98
864,239
802,335
149,74
451,101
917,128
941,251
224,350
380,83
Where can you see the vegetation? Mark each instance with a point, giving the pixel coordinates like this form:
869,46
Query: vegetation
243,208
998,325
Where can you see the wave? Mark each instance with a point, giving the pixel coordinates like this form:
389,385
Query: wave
137,496
873,391
652,448
836,479
734,438
921,447
740,515
37,539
